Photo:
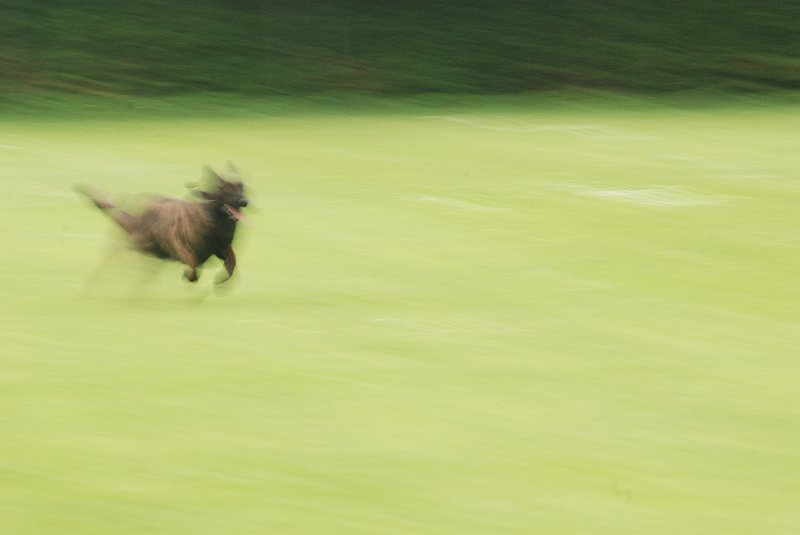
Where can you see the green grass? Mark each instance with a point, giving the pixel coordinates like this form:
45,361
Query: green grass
478,319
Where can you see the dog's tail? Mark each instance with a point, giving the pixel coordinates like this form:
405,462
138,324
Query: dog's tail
95,197
120,216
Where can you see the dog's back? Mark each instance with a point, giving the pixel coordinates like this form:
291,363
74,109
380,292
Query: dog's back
169,226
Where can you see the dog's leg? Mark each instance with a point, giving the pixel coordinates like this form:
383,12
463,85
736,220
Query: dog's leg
229,258
186,256
191,274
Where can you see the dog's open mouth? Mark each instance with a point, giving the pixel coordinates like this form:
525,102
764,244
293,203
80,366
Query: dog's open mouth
233,213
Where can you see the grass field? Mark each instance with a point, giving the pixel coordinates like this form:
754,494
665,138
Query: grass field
476,319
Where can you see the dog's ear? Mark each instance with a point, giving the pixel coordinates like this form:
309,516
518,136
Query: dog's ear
211,178
195,191
232,174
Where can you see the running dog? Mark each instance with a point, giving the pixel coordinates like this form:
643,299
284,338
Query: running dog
189,232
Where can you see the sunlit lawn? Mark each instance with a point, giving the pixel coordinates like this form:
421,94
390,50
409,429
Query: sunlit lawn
467,320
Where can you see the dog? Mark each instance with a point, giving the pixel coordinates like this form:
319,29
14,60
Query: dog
189,232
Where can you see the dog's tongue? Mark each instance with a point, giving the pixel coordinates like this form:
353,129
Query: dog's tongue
236,214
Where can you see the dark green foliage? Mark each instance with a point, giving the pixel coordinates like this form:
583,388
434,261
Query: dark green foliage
285,47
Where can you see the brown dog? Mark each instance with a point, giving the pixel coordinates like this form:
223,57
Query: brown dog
187,231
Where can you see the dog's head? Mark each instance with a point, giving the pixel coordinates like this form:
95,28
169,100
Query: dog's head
227,193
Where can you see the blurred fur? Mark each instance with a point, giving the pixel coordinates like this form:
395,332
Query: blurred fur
189,232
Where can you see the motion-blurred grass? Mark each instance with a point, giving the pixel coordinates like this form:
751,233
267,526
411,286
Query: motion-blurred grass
278,47
475,319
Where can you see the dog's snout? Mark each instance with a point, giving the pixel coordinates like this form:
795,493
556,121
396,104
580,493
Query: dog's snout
243,202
